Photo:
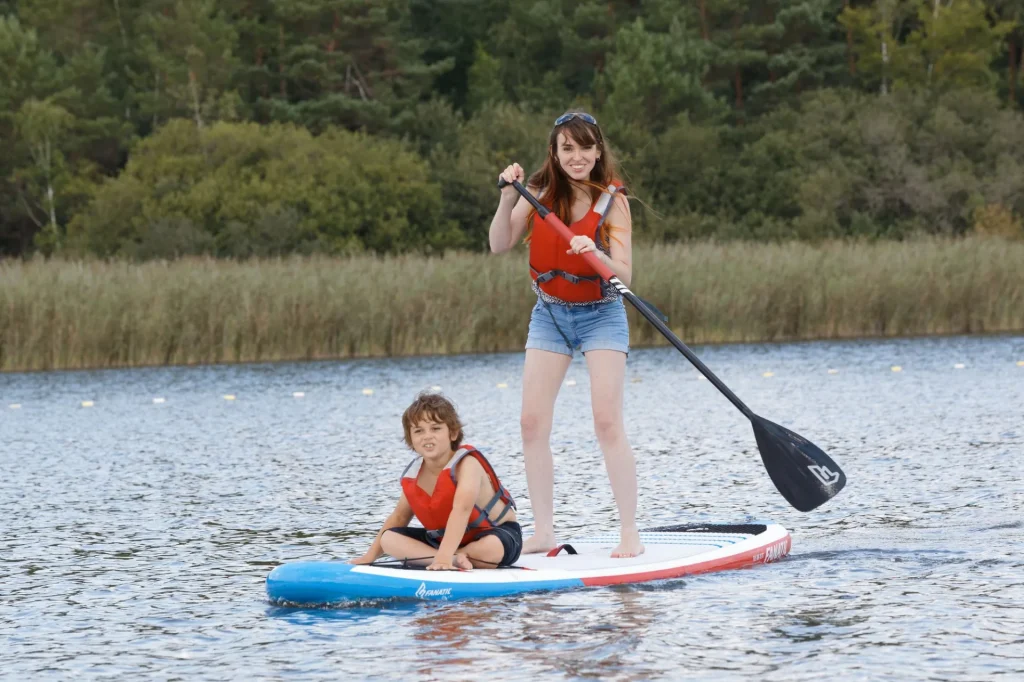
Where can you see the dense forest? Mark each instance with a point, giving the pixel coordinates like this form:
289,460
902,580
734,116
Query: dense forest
239,128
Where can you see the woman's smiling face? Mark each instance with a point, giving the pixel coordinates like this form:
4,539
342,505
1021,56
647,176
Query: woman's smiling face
576,160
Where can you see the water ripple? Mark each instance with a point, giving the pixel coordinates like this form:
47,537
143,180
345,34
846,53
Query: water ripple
137,535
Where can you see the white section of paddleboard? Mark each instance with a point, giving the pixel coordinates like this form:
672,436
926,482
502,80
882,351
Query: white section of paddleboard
670,554
594,553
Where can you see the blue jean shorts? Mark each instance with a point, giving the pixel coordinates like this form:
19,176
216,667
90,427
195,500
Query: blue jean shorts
565,329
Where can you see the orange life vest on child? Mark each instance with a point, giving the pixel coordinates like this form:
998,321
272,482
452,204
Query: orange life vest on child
567,276
433,510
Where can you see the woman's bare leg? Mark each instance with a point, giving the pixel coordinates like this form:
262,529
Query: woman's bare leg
607,385
542,377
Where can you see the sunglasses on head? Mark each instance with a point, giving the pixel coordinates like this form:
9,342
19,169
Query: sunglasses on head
565,118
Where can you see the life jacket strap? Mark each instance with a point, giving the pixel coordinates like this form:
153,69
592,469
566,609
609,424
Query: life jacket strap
541,278
497,521
482,520
415,460
604,204
500,496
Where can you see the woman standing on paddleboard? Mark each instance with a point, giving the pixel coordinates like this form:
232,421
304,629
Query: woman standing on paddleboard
575,311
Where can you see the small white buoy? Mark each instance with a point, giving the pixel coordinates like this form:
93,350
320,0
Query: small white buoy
158,401
15,406
701,377
833,371
959,365
87,403
367,391
229,397
768,374
896,368
298,394
502,385
570,382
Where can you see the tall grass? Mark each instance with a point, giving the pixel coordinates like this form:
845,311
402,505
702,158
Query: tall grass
57,315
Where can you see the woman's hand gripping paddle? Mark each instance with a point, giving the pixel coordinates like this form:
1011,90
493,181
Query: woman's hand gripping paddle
802,472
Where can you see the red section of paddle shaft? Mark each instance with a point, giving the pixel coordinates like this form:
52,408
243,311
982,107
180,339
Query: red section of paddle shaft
591,256
765,554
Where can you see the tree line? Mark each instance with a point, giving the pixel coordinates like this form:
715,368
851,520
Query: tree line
244,128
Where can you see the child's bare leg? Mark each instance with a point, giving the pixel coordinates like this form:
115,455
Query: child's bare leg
403,547
486,552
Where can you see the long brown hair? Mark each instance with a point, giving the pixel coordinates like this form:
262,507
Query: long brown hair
556,190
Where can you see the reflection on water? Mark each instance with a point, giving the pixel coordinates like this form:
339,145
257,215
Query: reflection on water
137,535
591,643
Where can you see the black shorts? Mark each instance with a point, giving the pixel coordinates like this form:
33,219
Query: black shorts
510,533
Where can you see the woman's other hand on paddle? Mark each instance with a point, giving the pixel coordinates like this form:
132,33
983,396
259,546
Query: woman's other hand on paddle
581,244
511,174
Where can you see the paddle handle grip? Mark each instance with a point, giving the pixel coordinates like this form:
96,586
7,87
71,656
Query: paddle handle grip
607,275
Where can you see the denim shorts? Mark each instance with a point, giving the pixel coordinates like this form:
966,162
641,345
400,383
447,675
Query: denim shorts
564,329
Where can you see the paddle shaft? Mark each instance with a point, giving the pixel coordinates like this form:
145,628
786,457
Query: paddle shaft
606,274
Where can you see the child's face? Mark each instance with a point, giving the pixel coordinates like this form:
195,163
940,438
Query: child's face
431,439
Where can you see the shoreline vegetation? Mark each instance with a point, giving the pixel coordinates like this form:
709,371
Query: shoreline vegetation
58,314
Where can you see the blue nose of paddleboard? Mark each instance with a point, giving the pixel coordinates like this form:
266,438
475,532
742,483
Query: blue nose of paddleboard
305,582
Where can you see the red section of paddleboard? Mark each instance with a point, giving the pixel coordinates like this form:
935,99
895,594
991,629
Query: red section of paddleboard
765,554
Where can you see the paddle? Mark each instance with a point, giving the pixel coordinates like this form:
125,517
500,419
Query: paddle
802,472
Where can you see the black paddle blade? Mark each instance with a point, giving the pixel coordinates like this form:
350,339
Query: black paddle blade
802,472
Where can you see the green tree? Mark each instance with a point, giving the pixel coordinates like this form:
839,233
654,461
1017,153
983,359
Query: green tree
954,45
875,32
652,77
484,81
348,62
188,51
467,169
1012,12
804,50
245,189
452,32
42,125
528,44
923,43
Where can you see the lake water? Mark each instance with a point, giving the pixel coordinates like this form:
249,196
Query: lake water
136,535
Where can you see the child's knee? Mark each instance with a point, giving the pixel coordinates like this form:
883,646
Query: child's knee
487,549
388,539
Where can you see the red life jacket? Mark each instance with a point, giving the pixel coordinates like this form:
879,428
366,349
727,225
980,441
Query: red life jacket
433,510
567,276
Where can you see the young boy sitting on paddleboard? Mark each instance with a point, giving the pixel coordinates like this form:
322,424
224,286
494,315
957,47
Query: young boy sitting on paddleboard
468,517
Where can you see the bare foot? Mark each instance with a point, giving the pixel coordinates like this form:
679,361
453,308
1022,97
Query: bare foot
629,544
462,562
539,543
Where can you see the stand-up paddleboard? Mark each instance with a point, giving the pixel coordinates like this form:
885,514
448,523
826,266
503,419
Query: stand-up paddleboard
671,552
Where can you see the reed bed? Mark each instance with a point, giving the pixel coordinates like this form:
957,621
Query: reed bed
64,315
